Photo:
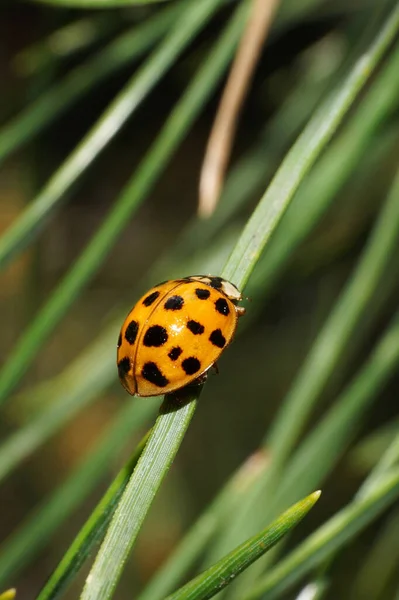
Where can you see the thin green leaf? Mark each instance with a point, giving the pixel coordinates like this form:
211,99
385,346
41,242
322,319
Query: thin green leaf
199,535
330,173
329,538
155,461
325,352
303,155
133,194
208,584
52,103
91,533
32,219
33,534
65,41
318,453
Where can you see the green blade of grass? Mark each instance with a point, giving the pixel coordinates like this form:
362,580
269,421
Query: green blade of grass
133,194
208,584
32,219
165,439
52,103
331,172
387,351
256,241
329,538
33,534
91,533
304,153
319,365
189,548
65,41
380,565
319,453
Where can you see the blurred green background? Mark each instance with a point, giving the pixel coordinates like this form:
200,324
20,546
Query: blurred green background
290,297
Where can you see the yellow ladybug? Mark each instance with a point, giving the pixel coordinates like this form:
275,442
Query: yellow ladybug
175,333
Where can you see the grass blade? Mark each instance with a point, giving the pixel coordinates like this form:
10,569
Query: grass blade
134,193
184,556
32,535
209,583
329,538
91,532
155,461
304,153
27,225
53,102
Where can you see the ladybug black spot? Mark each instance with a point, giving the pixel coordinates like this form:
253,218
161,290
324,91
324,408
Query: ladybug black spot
151,373
222,307
123,367
191,365
217,338
155,336
195,327
202,293
150,299
119,341
174,303
216,282
175,353
131,332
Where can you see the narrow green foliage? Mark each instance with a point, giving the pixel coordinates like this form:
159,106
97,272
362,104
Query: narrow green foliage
330,537
133,194
91,532
55,101
34,533
165,439
32,219
209,583
199,535
302,156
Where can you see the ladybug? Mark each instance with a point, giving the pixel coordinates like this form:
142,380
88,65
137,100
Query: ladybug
175,333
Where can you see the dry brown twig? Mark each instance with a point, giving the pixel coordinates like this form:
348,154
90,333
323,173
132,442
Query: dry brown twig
222,135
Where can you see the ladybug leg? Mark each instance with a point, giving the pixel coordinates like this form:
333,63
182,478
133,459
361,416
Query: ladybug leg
241,311
216,368
200,380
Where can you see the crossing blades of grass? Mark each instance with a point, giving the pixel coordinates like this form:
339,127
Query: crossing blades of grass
329,538
53,102
379,489
103,577
303,155
32,535
91,533
333,336
32,219
165,439
182,116
199,535
209,583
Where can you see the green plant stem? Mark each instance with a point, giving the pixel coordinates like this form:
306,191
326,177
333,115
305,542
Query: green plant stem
34,533
91,533
208,584
158,455
32,219
55,101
